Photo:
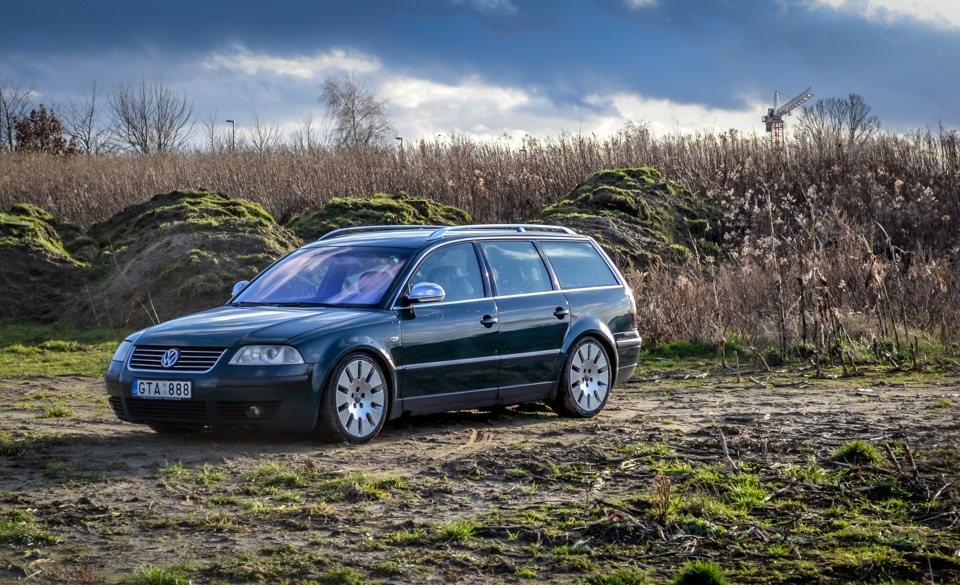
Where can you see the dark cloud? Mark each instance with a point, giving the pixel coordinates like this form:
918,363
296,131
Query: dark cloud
713,52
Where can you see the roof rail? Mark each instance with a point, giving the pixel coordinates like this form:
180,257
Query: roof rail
373,228
513,227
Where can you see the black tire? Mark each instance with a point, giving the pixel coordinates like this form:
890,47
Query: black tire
585,382
353,407
174,428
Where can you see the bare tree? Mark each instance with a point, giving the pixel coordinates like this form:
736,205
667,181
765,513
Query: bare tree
833,122
265,136
359,118
14,103
81,121
151,118
303,138
213,136
860,124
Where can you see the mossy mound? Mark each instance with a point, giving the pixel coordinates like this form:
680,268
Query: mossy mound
380,209
639,218
42,261
178,253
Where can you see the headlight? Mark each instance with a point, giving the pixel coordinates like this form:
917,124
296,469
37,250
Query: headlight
123,351
263,355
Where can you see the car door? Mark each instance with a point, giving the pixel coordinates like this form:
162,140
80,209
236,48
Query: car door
534,319
449,357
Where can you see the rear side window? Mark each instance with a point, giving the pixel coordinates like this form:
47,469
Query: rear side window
578,265
517,267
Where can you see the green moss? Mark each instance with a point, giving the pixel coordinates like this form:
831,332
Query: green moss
638,217
380,209
31,228
180,211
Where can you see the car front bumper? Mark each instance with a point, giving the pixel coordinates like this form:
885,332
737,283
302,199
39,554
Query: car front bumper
287,402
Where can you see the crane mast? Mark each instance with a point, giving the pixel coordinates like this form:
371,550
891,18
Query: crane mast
774,117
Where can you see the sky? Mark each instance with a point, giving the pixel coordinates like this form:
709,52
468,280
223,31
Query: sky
499,69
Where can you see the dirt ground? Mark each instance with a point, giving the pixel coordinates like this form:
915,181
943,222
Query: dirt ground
118,498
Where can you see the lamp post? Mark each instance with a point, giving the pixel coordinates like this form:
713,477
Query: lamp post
233,134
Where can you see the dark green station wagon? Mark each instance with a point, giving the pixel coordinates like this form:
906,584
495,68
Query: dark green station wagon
368,324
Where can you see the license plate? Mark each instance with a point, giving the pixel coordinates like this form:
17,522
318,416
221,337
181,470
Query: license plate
163,389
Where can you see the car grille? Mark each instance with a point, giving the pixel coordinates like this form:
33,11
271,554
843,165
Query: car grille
190,412
149,358
137,409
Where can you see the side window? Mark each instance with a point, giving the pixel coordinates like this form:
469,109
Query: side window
578,264
517,267
456,269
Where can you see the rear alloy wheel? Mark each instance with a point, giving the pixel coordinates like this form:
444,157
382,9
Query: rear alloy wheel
585,382
354,404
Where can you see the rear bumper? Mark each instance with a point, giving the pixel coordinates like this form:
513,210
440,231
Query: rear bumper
628,356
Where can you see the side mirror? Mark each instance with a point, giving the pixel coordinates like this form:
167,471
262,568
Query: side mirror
425,292
238,288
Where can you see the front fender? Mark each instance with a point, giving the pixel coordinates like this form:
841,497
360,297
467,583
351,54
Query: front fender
382,343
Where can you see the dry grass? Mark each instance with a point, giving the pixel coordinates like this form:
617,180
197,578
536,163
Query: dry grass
827,250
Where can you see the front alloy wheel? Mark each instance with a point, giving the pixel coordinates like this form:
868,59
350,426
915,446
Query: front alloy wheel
585,382
354,404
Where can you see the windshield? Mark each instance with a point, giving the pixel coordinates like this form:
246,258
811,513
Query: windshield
329,275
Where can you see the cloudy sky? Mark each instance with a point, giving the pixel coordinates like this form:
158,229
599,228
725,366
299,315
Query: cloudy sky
501,69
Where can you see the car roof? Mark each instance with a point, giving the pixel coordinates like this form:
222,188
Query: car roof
412,236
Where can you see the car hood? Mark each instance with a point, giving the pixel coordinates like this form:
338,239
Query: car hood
236,326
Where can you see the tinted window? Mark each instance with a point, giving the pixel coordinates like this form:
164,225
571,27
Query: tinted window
456,269
578,264
517,267
328,275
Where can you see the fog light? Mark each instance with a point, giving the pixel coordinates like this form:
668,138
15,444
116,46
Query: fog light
254,411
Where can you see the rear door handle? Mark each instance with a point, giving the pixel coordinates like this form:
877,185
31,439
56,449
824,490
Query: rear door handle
561,312
488,321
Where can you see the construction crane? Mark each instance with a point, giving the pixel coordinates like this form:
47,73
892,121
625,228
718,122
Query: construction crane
774,117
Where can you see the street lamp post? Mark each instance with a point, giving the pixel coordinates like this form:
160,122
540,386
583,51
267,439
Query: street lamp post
233,134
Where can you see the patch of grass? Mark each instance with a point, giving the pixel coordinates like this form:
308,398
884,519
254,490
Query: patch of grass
941,404
179,574
276,473
456,531
341,576
10,445
627,576
410,536
700,573
58,410
18,528
360,486
745,492
857,452
206,474
31,361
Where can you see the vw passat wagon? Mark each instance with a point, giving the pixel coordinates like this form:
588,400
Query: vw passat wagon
368,324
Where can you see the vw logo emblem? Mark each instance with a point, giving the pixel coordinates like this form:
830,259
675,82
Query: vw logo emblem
170,358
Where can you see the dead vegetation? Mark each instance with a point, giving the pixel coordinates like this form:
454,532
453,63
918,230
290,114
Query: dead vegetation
838,254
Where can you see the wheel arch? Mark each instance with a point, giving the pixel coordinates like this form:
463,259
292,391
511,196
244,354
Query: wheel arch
585,328
367,345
